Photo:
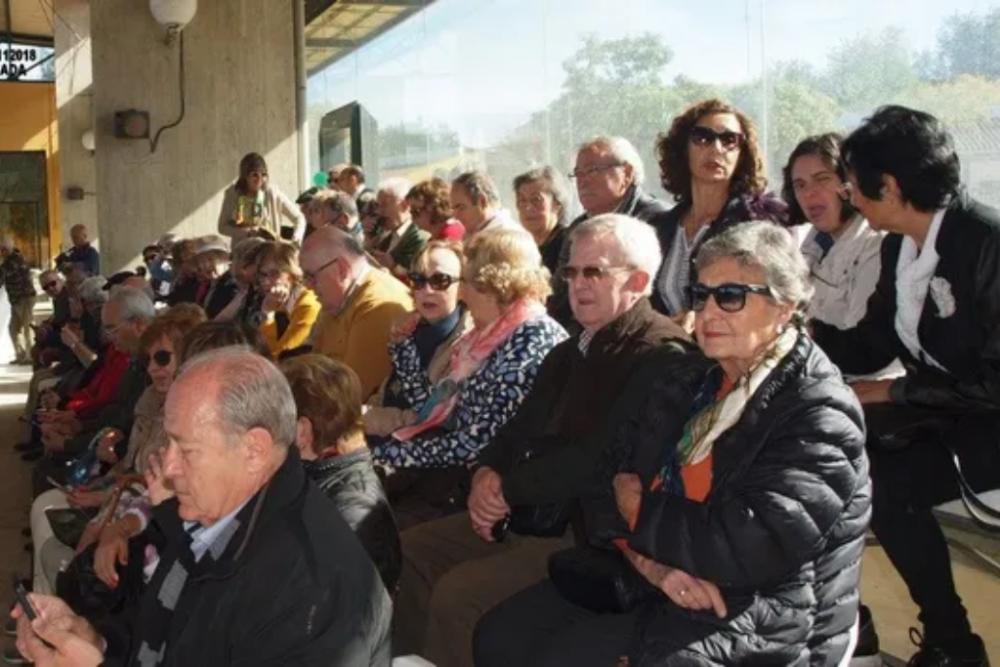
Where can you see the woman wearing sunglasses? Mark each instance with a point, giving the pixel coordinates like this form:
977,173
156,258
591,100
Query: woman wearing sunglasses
160,343
744,499
252,203
421,345
486,376
289,307
711,163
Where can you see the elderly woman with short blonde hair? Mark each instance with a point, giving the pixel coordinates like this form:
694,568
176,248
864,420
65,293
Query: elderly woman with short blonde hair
492,367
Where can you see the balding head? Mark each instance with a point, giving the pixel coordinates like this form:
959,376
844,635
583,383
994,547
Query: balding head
230,418
332,261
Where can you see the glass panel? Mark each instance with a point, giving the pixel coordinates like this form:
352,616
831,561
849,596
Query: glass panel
512,84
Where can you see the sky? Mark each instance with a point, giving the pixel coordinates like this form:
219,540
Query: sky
481,67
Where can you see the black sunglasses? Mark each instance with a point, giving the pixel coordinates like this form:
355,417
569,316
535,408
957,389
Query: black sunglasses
706,136
730,297
162,357
437,281
50,284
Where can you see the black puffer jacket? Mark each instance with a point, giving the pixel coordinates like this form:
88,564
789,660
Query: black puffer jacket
781,532
350,482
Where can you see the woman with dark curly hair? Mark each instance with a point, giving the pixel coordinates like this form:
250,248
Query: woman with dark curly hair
430,206
711,163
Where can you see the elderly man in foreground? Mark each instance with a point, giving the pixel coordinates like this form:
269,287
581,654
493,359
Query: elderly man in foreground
360,303
258,567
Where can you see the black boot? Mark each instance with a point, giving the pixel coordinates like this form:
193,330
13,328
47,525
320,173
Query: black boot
966,652
866,653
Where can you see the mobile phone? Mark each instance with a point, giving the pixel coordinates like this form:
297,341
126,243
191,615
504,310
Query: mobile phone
22,599
62,487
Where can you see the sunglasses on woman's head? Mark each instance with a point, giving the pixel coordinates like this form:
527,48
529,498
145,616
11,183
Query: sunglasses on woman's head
706,136
437,281
162,357
730,297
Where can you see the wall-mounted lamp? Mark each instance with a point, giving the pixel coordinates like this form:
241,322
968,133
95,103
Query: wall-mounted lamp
173,15
88,140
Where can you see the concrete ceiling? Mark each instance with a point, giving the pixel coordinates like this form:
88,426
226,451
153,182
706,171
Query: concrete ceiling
28,21
335,28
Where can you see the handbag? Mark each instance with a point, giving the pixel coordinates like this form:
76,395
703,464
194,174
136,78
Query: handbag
600,580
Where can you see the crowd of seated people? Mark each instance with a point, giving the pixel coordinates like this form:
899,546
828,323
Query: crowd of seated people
394,419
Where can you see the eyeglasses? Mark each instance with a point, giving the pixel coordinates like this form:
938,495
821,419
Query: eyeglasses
730,297
580,173
162,358
706,136
310,276
589,273
437,281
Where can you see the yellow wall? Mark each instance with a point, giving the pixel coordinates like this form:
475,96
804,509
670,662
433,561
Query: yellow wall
28,123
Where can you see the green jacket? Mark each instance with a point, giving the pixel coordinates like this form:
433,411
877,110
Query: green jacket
17,277
410,245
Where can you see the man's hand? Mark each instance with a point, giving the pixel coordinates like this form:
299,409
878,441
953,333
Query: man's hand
486,502
112,550
683,589
72,641
628,496
872,391
157,486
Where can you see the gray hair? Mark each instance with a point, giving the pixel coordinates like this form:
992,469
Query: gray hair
397,186
91,290
252,392
50,272
339,202
622,150
553,182
135,304
769,248
478,184
637,244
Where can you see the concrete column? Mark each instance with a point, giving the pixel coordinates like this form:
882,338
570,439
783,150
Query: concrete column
74,94
240,97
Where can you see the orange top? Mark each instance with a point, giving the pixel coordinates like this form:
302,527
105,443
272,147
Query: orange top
698,477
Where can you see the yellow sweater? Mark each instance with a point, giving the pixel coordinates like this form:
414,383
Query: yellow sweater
300,323
359,334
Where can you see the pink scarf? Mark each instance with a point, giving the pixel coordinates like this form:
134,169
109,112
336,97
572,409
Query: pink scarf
469,354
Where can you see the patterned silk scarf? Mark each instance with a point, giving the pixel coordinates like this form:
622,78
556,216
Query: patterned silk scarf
469,354
711,418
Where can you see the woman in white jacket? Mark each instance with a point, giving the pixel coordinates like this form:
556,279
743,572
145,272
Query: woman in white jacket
252,203
842,250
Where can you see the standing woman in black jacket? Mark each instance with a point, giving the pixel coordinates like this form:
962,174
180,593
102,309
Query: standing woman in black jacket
711,163
745,509
936,307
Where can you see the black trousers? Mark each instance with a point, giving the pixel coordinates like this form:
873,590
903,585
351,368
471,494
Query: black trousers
538,628
911,474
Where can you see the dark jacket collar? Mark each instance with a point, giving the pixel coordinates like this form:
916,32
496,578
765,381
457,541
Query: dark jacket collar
613,337
334,466
283,489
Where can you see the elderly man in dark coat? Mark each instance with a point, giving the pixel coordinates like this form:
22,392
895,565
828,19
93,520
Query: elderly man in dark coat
258,567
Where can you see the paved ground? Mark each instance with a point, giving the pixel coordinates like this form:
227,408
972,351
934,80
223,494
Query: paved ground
882,588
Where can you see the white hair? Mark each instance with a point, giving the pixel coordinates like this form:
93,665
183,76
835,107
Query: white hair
252,393
397,186
635,239
135,304
769,248
622,150
92,290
